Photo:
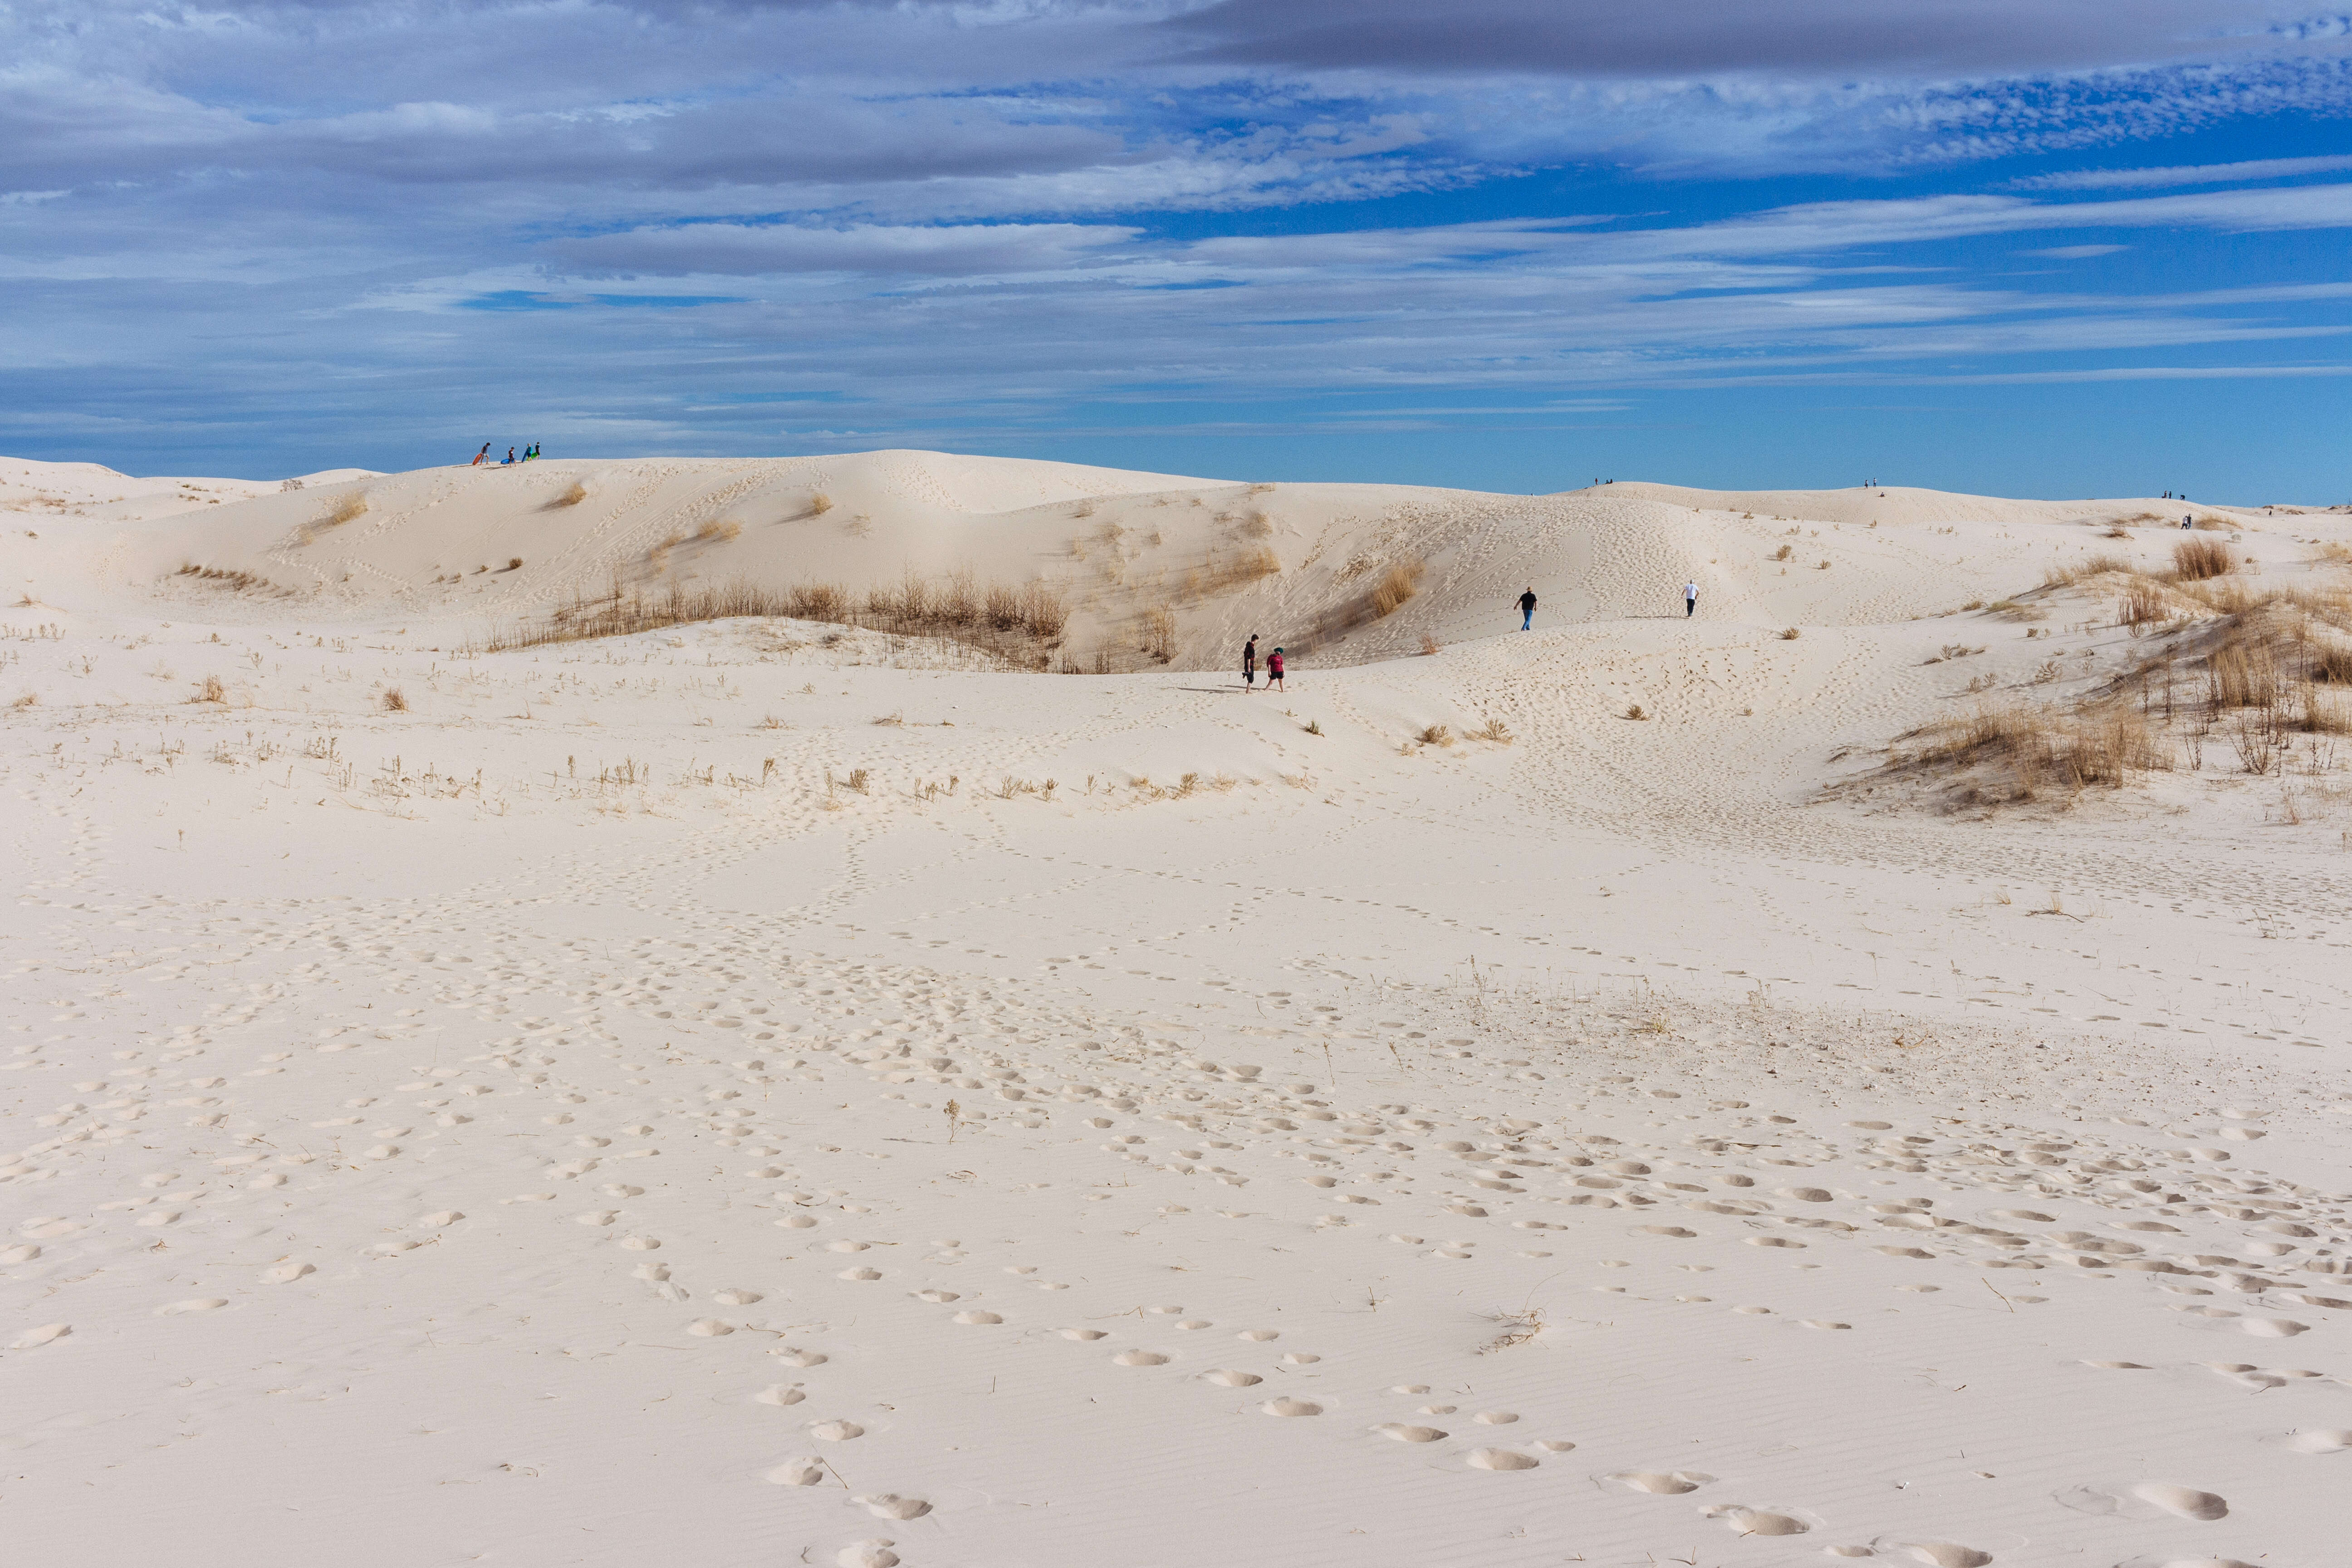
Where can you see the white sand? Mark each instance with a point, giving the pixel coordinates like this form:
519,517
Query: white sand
517,1129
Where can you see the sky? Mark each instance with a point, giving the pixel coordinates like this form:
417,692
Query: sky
2047,247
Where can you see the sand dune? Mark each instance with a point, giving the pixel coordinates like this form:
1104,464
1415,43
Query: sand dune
771,1090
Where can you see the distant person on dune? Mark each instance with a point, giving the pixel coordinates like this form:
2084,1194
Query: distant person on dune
1274,671
1249,664
1528,610
510,457
531,452
481,457
1690,600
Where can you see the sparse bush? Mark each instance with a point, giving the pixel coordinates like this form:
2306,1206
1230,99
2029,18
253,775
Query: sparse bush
1789,634
818,602
1159,633
1430,644
514,563
2090,566
1397,584
1634,710
29,700
1785,552
1495,731
2196,560
1314,726
819,504
1042,614
1437,735
345,508
959,606
209,689
1002,606
394,700
716,531
572,495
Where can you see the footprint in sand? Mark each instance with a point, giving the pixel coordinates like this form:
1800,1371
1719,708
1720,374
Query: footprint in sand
48,1333
890,1505
1139,1358
976,1318
709,1328
936,1295
284,1273
640,1243
1226,1377
1945,1553
736,1298
1400,1433
197,1304
1289,1406
1501,1459
1495,1417
859,1274
1756,1521
1660,1483
867,1554
1088,1335
1259,1335
797,1222
2187,1503
797,1473
792,1357
2331,1441
780,1394
836,1431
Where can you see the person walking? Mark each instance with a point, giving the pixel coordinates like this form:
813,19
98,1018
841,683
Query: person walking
1528,610
511,458
1274,671
1249,664
481,457
1690,600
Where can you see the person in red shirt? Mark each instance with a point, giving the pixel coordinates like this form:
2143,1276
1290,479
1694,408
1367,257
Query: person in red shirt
1274,671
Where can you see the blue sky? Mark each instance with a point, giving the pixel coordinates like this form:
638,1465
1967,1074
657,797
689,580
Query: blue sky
2051,248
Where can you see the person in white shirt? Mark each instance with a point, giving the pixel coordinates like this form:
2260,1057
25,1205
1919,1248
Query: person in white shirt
1690,600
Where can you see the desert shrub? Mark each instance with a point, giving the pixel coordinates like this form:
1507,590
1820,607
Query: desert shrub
394,701
1159,633
1002,606
1042,614
209,689
572,495
716,531
2195,560
819,504
345,508
1397,584
818,602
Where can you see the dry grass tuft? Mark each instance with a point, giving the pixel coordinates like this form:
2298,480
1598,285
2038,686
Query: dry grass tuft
394,701
348,507
2088,567
1785,552
1517,1327
2197,559
572,496
819,504
1437,735
1399,583
1635,710
1430,646
1159,633
29,700
1495,731
1789,634
715,532
209,689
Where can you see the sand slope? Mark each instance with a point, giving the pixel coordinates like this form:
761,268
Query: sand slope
768,1092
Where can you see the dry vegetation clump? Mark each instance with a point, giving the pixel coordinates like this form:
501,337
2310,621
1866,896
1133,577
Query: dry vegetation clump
209,689
2195,560
1399,582
571,496
819,504
236,582
715,532
1018,625
348,507
29,700
1159,633
394,700
2260,679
